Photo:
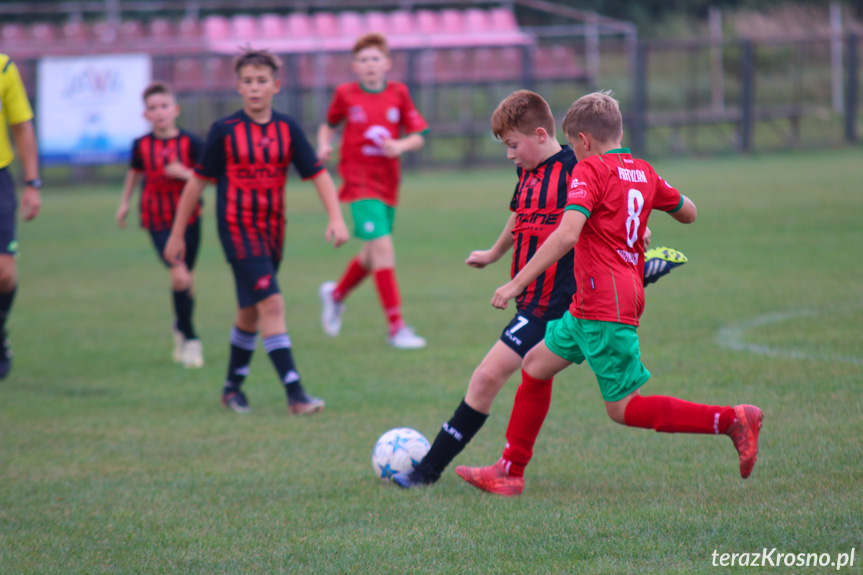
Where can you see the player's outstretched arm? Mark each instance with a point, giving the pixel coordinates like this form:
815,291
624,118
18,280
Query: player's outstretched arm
481,258
25,141
337,231
175,247
687,213
133,180
555,247
326,136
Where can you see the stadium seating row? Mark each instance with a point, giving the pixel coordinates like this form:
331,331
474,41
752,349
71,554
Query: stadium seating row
450,45
297,32
442,66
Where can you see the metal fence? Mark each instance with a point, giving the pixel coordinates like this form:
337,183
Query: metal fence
678,97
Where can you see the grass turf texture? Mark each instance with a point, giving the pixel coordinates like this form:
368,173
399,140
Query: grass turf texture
115,460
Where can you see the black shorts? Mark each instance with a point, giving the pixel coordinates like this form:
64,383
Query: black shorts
193,243
8,211
255,279
524,332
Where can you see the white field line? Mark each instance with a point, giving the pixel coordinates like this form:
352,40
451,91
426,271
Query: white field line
731,337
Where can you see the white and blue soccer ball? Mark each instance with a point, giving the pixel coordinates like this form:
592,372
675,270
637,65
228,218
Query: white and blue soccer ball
398,450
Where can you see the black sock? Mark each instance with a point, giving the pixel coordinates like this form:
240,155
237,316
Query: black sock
184,304
6,300
279,348
451,439
242,348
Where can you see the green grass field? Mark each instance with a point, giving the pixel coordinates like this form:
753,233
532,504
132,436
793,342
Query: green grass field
114,460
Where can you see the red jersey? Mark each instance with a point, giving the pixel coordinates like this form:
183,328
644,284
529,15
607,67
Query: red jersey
617,193
161,193
538,203
370,119
249,163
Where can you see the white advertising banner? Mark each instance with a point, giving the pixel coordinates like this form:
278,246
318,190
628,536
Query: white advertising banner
90,108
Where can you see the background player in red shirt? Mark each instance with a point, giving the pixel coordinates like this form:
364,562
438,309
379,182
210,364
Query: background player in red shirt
163,160
380,124
247,155
610,197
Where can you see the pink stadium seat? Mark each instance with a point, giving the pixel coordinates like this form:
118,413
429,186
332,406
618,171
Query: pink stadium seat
244,28
475,21
502,20
298,25
451,65
105,32
217,73
451,22
216,28
401,23
189,29
351,25
160,29
75,32
377,22
427,22
12,33
187,75
326,25
553,61
271,26
131,31
43,33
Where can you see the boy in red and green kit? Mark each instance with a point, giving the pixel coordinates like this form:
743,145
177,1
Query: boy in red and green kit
610,197
380,124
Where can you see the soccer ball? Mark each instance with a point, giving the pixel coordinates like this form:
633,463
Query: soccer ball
398,450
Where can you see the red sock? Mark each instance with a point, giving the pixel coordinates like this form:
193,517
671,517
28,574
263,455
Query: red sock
532,401
388,292
354,273
672,415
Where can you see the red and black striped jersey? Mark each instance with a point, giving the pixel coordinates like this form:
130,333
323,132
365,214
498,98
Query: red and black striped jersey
538,203
161,193
249,164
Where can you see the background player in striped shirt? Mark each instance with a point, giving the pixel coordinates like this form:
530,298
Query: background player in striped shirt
248,155
610,197
380,124
163,161
16,113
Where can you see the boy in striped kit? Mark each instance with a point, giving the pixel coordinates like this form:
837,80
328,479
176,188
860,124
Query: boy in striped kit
247,155
163,161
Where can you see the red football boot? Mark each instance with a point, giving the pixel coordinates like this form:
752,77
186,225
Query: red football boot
493,479
744,433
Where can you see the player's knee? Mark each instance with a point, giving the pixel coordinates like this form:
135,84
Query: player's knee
273,306
486,383
616,411
381,253
181,279
8,274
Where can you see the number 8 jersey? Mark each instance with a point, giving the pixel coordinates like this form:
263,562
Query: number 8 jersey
617,193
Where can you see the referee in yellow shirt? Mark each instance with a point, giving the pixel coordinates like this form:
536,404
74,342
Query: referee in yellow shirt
15,112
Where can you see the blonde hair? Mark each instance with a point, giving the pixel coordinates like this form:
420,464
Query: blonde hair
371,40
522,111
597,114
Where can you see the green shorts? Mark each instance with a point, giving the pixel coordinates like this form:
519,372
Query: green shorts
611,350
372,219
